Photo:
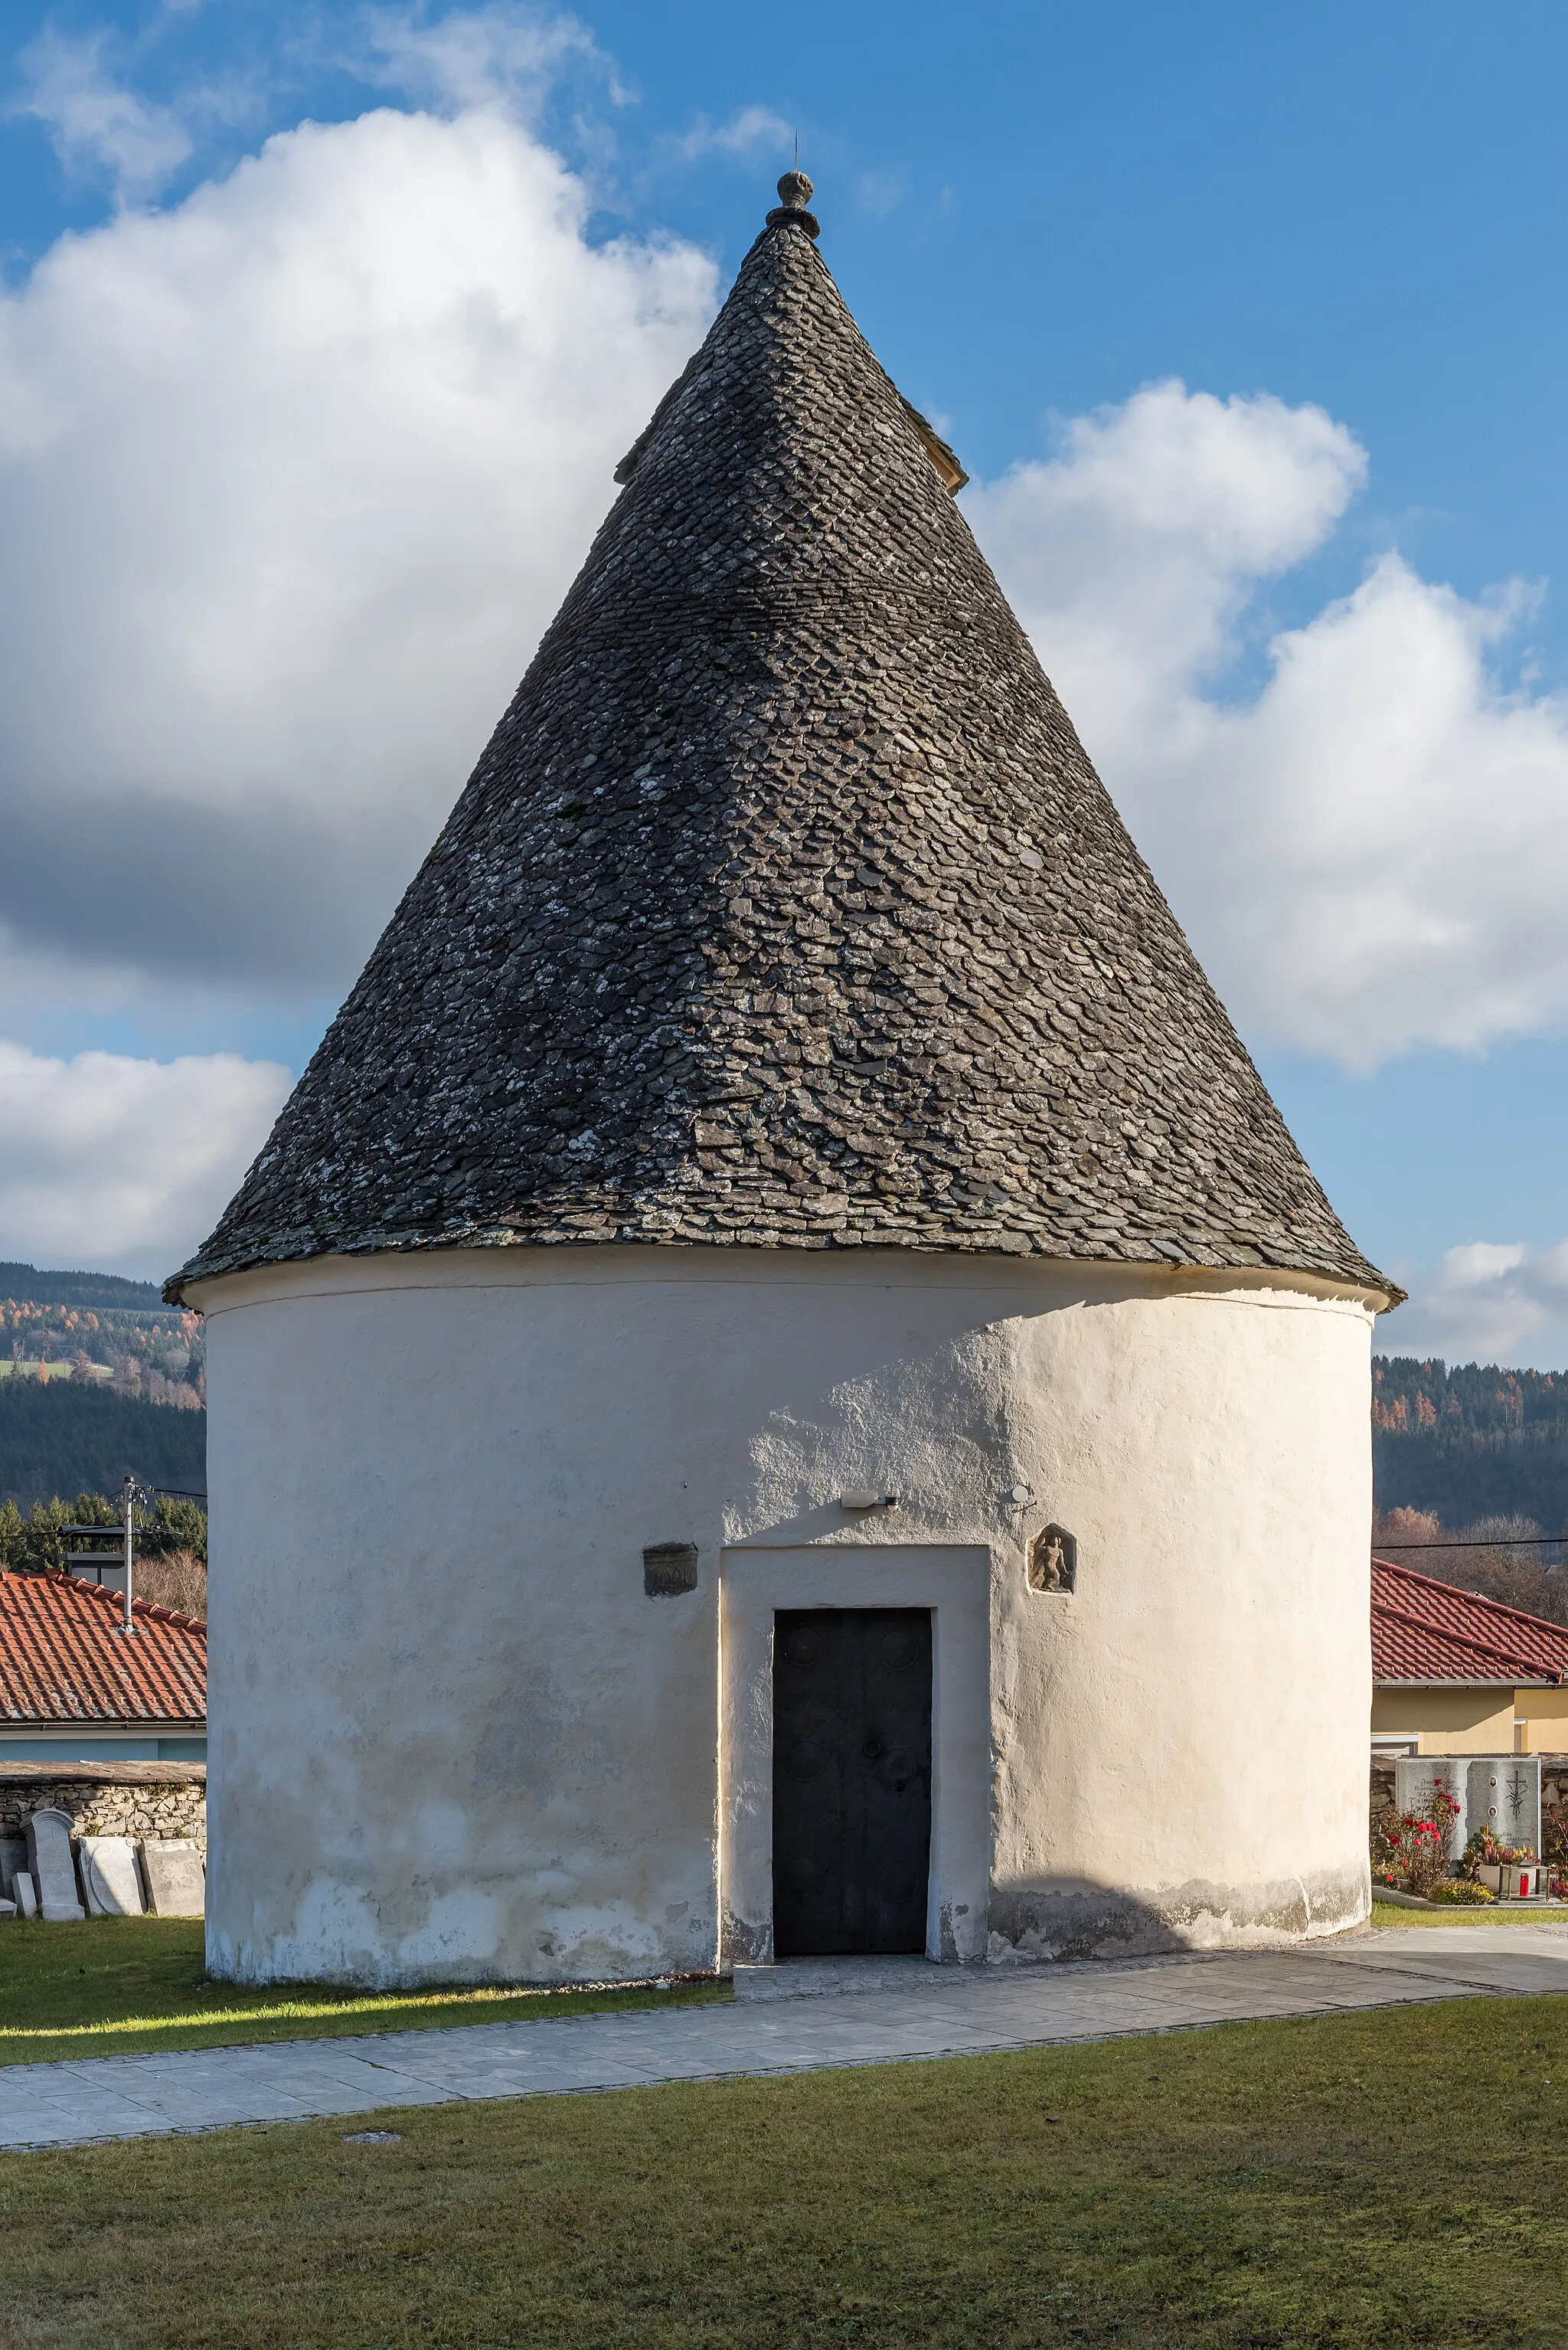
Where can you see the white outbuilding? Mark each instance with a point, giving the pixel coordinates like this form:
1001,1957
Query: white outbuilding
780,1384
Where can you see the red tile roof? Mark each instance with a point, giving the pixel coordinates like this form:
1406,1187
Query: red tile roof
1427,1631
63,1659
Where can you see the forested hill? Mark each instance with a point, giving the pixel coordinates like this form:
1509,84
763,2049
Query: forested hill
1472,1442
1464,1444
67,1438
28,1285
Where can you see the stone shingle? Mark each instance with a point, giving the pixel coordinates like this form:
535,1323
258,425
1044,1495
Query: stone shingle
783,908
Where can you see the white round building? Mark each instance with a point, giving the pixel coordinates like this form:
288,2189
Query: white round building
780,1384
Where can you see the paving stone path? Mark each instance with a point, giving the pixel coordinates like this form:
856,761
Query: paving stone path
792,2019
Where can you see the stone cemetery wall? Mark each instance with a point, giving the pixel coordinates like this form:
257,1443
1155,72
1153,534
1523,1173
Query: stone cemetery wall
161,1800
1553,1779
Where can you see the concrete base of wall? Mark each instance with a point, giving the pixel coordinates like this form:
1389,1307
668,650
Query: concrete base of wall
1094,1921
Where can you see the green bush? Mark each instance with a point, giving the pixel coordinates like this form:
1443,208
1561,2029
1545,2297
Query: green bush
29,1544
1412,1849
1463,1891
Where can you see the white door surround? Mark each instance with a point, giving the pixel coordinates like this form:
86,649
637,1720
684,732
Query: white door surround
954,1583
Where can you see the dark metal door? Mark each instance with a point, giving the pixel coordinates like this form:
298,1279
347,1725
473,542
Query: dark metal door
852,1779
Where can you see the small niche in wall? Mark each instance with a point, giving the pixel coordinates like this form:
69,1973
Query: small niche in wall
1053,1560
669,1569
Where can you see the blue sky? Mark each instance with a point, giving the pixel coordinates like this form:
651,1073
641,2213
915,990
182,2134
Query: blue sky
1338,214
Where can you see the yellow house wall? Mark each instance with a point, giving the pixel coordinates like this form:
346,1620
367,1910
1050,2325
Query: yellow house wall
1544,1713
1451,1720
1476,1721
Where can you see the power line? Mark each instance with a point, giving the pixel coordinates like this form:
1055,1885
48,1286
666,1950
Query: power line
1492,1542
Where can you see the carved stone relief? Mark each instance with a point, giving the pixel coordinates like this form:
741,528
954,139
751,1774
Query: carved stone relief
1053,1560
669,1569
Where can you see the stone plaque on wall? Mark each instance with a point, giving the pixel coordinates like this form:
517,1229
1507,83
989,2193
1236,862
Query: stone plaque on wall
1502,1791
669,1569
1417,1777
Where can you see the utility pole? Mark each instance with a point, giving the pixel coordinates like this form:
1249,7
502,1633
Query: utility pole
134,1495
131,1493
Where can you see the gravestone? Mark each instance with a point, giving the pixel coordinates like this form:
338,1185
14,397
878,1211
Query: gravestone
26,1898
13,1856
176,1882
1502,1791
51,1867
1416,1778
110,1877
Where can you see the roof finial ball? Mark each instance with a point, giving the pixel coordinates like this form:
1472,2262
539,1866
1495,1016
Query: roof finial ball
794,194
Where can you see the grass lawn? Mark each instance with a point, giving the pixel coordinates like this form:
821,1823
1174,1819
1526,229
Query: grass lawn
116,1985
1389,1913
1392,2179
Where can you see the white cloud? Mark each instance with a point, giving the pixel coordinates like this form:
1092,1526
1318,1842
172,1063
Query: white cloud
99,127
292,476
750,130
881,193
120,1164
1487,1302
1370,852
1477,1263
474,57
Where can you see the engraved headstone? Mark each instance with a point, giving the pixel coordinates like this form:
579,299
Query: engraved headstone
13,1856
110,1877
26,1898
1417,1777
176,1883
51,1867
1502,1791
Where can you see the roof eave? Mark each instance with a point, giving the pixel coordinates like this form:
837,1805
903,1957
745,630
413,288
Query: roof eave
119,1725
1364,1283
1461,1680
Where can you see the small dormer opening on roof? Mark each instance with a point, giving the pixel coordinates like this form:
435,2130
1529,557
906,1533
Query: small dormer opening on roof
950,473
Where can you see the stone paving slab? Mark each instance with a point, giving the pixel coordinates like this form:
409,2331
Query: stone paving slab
913,2012
1499,1958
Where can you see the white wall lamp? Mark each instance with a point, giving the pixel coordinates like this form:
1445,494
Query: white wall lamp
858,1501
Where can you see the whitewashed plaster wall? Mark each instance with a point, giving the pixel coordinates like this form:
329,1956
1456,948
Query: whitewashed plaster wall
451,1738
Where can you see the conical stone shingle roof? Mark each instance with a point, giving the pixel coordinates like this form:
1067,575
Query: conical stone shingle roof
784,908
